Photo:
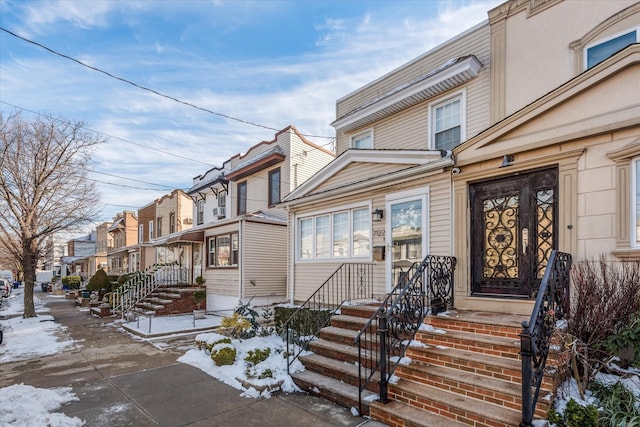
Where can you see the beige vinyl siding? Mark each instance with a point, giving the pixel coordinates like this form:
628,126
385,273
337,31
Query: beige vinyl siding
409,128
306,160
223,280
358,172
265,260
308,276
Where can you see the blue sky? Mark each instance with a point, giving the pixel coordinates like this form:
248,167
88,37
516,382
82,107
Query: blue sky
273,63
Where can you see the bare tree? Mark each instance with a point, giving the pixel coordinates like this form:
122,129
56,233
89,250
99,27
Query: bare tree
44,187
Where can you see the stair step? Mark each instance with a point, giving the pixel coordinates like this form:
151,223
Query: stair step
344,321
495,345
345,336
493,390
399,413
334,390
338,351
458,407
494,324
362,310
347,372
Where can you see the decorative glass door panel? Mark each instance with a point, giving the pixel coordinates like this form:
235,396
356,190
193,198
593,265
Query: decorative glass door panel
513,229
406,231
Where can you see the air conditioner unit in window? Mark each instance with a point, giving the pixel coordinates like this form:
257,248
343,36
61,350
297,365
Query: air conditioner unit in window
221,212
215,212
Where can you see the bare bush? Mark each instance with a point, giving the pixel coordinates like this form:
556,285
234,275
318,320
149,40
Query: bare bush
605,295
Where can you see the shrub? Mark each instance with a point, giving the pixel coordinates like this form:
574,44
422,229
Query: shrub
575,415
223,354
98,281
307,322
625,343
199,296
256,356
71,282
619,406
238,325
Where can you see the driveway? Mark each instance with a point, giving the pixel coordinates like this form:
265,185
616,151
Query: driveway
124,381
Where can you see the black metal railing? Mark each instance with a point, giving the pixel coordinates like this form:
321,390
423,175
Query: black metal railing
383,340
552,304
348,283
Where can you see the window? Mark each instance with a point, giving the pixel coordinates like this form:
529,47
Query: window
341,234
200,213
223,250
172,222
159,226
151,230
603,49
242,197
363,140
635,202
447,124
274,187
140,233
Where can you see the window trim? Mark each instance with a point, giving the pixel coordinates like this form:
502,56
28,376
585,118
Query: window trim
150,230
159,227
241,199
362,133
200,211
140,233
172,222
232,258
459,95
269,189
330,213
598,42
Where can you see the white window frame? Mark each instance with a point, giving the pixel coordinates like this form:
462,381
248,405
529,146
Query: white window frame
605,40
151,230
462,97
360,136
330,213
635,201
200,211
140,233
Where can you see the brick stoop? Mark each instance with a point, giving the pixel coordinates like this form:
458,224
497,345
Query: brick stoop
464,369
170,300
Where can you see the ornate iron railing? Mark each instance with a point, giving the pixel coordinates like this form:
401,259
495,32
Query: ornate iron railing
383,340
552,304
348,283
142,283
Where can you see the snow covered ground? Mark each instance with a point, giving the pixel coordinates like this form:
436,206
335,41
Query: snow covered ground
25,339
33,338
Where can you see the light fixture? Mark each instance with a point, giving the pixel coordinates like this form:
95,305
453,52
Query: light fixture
377,215
507,160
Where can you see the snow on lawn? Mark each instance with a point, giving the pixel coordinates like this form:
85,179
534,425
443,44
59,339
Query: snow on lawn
25,339
241,374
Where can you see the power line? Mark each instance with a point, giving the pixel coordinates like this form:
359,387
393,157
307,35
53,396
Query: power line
155,92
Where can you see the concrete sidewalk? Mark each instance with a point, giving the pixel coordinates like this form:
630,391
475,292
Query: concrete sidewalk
123,381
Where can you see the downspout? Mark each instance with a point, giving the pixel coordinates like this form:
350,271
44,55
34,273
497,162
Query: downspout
241,242
291,254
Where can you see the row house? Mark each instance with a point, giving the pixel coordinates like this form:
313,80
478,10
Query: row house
239,239
87,254
515,138
124,256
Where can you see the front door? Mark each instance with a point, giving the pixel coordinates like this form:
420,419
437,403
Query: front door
513,231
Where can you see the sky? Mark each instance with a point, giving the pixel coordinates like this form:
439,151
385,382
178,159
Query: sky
35,338
228,74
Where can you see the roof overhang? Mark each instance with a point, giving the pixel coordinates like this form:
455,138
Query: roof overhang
188,237
260,164
449,75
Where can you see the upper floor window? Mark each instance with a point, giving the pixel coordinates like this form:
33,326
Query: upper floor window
274,187
151,230
242,197
341,234
363,140
159,226
140,233
200,212
603,49
447,123
172,222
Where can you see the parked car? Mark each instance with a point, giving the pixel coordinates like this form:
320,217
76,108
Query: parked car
5,288
1,333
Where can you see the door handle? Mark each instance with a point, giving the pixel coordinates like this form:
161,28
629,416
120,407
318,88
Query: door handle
525,240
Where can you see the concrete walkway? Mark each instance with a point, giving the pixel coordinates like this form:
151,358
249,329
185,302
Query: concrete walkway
123,381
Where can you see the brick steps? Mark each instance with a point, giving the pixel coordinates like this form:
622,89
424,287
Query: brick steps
463,369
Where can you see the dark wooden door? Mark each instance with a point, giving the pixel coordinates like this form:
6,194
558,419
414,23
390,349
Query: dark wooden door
513,231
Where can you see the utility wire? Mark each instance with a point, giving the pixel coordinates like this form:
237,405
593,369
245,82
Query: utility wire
155,92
